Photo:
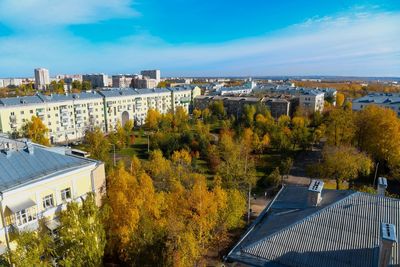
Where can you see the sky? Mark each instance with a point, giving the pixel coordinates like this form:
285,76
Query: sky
201,38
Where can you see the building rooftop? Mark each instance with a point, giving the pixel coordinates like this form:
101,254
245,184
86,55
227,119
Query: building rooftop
117,92
343,230
23,163
379,98
23,100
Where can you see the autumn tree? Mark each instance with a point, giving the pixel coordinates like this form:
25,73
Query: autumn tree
343,163
36,131
341,127
33,248
96,144
152,119
378,134
81,236
339,99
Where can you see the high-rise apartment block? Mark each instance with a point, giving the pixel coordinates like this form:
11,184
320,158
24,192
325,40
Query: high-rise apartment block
42,78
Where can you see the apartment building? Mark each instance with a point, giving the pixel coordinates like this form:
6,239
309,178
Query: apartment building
37,183
152,74
122,81
312,101
96,80
69,116
144,83
66,116
234,105
183,96
387,100
42,78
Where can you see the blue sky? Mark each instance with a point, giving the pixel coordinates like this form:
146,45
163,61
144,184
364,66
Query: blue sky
201,38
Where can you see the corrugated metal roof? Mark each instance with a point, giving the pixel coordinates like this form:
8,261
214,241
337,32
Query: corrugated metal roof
19,166
117,92
343,233
22,100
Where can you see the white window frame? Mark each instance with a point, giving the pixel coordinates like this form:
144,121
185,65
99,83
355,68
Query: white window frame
48,201
64,194
24,216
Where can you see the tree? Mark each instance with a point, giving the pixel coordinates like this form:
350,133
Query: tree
217,108
97,145
274,178
152,119
86,85
341,127
343,163
285,166
33,248
339,99
81,234
76,86
378,134
36,131
249,111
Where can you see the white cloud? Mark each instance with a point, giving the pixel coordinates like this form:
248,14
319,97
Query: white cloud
38,14
354,44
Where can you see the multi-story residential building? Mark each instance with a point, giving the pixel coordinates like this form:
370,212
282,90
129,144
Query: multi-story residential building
69,116
183,96
66,116
96,80
122,81
132,104
278,106
387,100
144,83
42,78
152,74
312,101
37,182
313,226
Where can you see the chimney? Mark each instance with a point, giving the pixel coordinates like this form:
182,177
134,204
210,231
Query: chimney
387,241
382,185
315,192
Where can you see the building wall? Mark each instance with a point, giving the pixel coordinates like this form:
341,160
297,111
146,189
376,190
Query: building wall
89,178
68,120
312,103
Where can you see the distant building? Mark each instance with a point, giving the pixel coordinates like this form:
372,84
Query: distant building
38,182
42,78
234,105
387,100
144,83
152,74
96,80
312,101
314,227
122,81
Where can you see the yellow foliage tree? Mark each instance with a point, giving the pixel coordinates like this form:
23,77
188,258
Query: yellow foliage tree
36,131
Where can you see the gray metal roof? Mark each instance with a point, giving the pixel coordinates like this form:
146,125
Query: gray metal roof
22,100
18,166
118,92
152,91
379,98
343,231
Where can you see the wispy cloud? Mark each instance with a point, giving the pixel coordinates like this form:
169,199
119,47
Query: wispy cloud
360,43
37,14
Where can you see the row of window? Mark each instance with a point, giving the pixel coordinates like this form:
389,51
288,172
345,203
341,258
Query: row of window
27,215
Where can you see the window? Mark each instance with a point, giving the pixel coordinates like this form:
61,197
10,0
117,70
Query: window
31,111
66,194
24,216
48,201
22,112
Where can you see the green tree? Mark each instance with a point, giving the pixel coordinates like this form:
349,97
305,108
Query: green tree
86,85
33,248
97,145
81,234
343,164
36,131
